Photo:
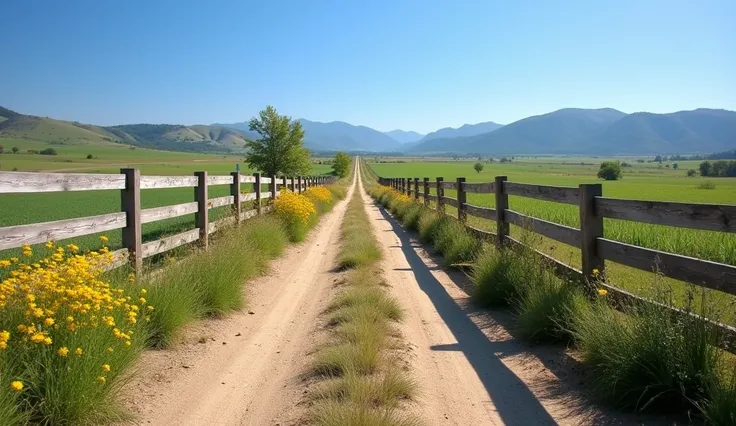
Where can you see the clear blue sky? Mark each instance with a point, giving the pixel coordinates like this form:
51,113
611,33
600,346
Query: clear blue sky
414,65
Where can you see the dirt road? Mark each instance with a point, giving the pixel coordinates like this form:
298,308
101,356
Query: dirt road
470,369
246,369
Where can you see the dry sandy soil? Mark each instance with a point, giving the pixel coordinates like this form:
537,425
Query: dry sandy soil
251,368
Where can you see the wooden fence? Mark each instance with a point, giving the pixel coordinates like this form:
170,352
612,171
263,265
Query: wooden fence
130,183
595,249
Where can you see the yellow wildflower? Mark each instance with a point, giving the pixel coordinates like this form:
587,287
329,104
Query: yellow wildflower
79,351
63,351
48,321
104,239
109,350
49,244
596,272
106,367
602,292
16,386
101,380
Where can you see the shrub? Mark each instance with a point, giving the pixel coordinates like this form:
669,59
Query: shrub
427,224
296,211
67,335
648,357
48,151
707,185
691,173
610,170
455,243
89,156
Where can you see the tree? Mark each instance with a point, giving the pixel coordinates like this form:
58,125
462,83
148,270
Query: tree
610,170
280,150
691,173
89,156
341,164
48,151
478,167
15,150
658,159
675,166
705,168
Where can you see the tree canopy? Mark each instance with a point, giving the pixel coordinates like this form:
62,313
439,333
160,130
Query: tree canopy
610,170
280,150
478,167
341,165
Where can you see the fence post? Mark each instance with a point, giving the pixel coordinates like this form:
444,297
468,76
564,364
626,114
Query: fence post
440,194
299,183
257,188
416,188
426,191
130,203
591,227
235,192
461,200
201,218
408,186
502,203
274,187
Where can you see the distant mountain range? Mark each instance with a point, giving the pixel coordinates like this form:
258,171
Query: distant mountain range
402,136
599,131
566,131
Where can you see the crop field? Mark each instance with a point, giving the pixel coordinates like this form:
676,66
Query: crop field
20,209
642,181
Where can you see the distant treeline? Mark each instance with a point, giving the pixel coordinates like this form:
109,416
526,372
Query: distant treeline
720,168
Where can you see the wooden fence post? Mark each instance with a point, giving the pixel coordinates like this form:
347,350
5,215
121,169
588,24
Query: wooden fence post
416,188
235,192
130,203
461,200
274,187
440,194
408,186
591,228
426,191
201,218
257,188
502,203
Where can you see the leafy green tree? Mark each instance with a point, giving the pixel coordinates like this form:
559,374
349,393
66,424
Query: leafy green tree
341,164
280,150
675,166
705,168
478,167
15,150
610,170
691,173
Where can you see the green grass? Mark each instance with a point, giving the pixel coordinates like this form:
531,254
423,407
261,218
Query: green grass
648,359
642,181
362,384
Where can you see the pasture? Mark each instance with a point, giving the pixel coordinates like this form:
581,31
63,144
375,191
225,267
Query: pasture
20,209
642,181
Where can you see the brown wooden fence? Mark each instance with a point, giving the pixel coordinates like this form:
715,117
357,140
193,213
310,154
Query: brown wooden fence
130,183
595,249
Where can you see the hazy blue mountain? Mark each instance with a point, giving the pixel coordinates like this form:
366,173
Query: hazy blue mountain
403,136
701,130
600,131
341,136
463,131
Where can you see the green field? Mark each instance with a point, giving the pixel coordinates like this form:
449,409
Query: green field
642,181
20,209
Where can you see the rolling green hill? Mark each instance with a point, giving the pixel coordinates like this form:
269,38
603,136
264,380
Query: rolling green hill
171,137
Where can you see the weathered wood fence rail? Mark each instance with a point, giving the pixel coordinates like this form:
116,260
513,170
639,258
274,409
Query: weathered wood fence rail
130,183
595,249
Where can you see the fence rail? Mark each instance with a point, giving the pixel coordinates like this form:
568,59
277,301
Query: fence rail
130,183
595,249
